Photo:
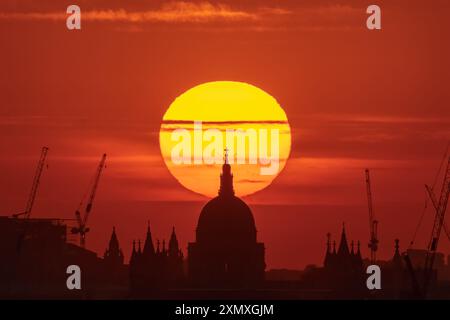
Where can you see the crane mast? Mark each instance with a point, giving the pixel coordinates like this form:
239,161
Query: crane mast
440,206
34,187
373,224
82,228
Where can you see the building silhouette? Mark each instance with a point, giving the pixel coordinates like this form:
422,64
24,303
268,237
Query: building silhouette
113,256
344,259
153,269
35,255
114,271
226,252
344,267
225,262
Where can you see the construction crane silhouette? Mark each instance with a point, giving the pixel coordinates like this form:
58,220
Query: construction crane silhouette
440,207
34,187
373,223
82,228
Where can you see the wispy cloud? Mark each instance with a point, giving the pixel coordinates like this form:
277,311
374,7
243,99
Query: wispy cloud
361,118
178,11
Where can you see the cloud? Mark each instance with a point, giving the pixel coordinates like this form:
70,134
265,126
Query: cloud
375,119
254,15
178,11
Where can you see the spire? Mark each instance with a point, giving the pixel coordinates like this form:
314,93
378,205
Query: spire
113,254
173,243
343,245
352,248
326,263
139,247
226,178
149,249
113,242
157,247
133,253
334,247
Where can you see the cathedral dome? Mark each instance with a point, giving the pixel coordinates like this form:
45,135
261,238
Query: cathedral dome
226,253
224,219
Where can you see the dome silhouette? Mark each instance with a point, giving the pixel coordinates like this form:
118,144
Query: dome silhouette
226,218
226,252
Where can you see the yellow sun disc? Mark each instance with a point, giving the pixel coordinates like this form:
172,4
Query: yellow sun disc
207,119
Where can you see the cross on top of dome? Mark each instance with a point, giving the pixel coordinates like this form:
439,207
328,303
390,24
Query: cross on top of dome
226,178
225,159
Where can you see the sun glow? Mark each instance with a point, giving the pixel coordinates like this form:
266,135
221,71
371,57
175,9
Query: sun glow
259,125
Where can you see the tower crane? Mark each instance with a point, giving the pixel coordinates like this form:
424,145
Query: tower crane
82,228
34,187
440,206
373,223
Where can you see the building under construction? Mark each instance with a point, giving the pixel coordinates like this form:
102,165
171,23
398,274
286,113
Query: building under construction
35,255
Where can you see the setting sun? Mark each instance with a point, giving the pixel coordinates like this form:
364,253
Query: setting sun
225,115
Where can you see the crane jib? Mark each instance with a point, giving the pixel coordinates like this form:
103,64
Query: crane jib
82,222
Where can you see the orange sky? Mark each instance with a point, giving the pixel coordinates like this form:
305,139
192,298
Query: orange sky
354,99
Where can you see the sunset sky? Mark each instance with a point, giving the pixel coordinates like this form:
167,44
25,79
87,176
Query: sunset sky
354,99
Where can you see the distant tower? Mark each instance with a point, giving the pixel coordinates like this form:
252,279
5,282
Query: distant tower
174,260
343,269
343,251
173,244
113,255
114,272
158,269
149,249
